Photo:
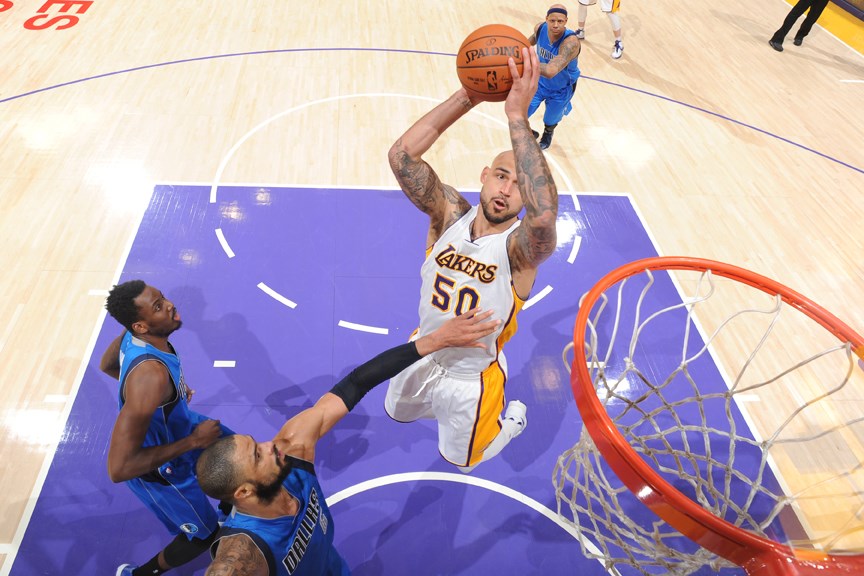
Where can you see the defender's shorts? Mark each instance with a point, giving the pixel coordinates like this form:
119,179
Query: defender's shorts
172,493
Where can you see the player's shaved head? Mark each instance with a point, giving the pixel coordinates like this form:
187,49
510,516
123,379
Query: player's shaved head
217,470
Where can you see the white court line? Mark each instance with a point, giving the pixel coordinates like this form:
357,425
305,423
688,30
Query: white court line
227,158
537,297
221,237
267,290
98,292
11,550
604,193
224,363
472,481
259,184
363,327
852,81
748,419
55,398
654,243
568,185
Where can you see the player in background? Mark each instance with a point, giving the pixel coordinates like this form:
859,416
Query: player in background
612,9
558,52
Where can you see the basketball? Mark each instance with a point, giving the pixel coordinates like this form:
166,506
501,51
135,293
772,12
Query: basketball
481,62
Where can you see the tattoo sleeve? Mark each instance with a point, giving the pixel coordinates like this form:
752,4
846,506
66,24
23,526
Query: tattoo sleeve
535,239
569,50
532,40
237,556
425,190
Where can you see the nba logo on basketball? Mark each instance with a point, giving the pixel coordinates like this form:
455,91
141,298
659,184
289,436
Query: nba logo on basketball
492,79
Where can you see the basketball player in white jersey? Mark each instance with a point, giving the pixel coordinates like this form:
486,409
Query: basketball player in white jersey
611,8
476,256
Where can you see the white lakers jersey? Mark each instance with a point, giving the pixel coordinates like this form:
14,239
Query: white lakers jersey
458,275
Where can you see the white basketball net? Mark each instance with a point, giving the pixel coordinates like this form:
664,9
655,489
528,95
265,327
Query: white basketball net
752,410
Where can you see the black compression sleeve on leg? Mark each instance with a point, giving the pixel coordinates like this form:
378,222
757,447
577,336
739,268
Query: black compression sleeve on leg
368,375
182,550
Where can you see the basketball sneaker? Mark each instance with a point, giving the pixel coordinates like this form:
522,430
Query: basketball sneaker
778,46
546,139
125,570
617,50
580,33
797,41
516,411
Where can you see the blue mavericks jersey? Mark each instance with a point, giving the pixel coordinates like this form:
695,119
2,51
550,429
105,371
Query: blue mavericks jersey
172,420
545,52
300,545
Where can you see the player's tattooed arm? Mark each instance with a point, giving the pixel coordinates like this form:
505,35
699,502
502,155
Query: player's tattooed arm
422,185
536,237
237,555
569,50
418,180
532,40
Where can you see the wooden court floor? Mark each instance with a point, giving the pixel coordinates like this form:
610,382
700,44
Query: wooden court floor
730,150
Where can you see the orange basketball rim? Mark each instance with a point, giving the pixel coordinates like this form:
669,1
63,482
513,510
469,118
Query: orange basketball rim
759,556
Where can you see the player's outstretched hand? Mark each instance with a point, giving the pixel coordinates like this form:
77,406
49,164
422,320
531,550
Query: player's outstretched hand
463,331
524,86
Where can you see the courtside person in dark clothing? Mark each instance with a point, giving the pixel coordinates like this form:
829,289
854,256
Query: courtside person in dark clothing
816,7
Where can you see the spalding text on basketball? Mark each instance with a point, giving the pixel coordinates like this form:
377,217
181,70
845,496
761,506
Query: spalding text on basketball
515,51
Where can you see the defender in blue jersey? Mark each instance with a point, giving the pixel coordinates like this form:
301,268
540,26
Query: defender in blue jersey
157,438
558,51
280,524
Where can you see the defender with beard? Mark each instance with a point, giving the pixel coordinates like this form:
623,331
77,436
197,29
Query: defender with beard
157,438
475,256
280,524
